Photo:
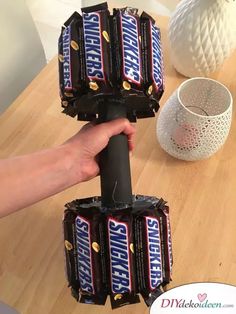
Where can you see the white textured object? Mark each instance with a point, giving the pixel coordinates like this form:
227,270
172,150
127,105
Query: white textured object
195,121
202,35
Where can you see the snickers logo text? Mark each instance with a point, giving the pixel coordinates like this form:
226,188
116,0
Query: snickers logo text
93,45
85,267
157,67
119,256
66,57
154,252
131,49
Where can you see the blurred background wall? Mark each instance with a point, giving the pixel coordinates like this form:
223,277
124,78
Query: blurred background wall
50,14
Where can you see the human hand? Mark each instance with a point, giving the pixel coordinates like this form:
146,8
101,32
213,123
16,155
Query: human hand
84,146
35,176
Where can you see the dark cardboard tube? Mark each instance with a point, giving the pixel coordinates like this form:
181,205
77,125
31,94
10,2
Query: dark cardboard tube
116,190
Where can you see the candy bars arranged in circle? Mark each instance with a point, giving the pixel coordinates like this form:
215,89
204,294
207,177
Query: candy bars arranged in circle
120,253
118,55
118,245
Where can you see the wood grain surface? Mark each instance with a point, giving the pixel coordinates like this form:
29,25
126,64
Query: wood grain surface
201,196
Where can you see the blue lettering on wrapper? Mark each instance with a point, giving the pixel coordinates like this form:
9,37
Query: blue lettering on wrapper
154,252
119,256
131,48
66,37
157,62
93,46
170,255
84,254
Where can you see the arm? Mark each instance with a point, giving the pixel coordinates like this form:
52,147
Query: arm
28,179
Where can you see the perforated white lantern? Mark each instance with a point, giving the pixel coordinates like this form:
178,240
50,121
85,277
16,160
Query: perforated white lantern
195,121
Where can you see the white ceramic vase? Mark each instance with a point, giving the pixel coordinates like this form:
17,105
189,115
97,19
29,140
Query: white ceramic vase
195,121
202,34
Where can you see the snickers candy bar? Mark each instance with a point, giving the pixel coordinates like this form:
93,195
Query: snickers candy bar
149,248
127,51
89,235
152,58
163,210
70,249
169,240
121,258
97,48
71,59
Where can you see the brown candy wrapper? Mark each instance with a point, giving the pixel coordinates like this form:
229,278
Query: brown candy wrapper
121,257
90,246
97,48
127,50
70,249
118,252
151,247
168,255
152,57
71,60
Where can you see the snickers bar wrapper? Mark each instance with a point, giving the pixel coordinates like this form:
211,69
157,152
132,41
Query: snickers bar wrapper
151,247
88,228
121,256
71,56
97,48
152,57
128,61
71,261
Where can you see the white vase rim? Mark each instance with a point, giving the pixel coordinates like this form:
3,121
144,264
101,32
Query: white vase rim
206,79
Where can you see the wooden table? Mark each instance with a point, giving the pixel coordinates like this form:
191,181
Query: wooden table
201,196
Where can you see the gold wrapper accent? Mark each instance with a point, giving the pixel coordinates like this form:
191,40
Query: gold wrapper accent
118,296
64,103
83,292
61,58
106,36
74,45
126,85
150,89
93,85
131,247
68,94
96,247
68,245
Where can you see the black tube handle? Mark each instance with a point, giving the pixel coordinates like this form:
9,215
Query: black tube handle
116,191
